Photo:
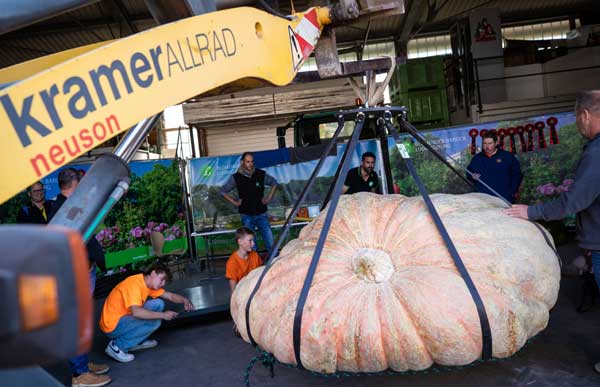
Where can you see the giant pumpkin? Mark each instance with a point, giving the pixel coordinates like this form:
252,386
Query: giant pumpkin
386,293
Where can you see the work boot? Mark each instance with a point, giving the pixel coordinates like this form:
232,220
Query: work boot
90,379
98,369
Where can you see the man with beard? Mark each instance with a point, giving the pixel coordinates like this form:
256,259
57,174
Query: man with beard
497,168
362,178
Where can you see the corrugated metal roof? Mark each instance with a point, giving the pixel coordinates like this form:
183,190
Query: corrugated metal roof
527,8
106,20
452,10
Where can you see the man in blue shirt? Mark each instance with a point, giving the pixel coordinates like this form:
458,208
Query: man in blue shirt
497,168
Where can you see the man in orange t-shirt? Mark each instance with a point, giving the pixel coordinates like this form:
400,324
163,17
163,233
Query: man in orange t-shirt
128,318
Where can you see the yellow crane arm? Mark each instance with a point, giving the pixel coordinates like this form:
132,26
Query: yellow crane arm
51,117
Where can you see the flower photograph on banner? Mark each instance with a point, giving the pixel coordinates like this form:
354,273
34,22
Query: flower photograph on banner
112,239
152,203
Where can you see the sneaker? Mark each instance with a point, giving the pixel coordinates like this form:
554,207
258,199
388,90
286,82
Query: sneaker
90,379
116,353
98,369
145,345
597,367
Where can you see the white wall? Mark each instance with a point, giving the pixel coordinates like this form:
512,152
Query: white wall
226,140
570,82
524,87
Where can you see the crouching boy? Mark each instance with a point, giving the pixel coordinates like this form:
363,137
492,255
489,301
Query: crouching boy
243,260
129,317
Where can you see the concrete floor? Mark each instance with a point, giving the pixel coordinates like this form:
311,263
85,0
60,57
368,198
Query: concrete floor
204,352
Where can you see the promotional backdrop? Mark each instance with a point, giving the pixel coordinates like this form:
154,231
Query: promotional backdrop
208,174
547,147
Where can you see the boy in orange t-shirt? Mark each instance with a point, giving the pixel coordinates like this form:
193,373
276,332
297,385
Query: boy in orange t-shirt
129,317
243,260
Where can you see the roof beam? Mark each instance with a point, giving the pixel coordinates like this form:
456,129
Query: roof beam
30,11
58,28
123,17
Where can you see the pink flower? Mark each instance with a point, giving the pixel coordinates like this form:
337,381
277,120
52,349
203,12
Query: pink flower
170,237
547,189
137,232
106,237
176,231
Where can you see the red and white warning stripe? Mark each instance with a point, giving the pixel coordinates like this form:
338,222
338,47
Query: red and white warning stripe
308,32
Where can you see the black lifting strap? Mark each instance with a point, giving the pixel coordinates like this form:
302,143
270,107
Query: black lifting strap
360,117
289,220
486,333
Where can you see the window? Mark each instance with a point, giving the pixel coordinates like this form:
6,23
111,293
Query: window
440,44
379,50
327,129
539,31
429,46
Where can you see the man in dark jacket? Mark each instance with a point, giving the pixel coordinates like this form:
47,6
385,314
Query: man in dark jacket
497,168
85,373
583,196
37,210
252,204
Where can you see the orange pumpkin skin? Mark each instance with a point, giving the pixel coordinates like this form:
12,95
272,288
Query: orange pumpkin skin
386,293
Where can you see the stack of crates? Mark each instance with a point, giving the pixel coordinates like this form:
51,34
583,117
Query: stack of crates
420,85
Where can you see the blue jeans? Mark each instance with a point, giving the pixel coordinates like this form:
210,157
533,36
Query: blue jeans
260,222
596,266
79,364
131,331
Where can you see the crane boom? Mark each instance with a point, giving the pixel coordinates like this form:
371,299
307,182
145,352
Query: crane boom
52,117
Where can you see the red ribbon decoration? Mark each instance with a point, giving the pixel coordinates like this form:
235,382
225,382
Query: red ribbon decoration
541,137
501,135
521,133
473,134
552,121
482,133
529,129
512,132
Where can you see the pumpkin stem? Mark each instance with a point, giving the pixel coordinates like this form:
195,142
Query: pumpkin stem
372,265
